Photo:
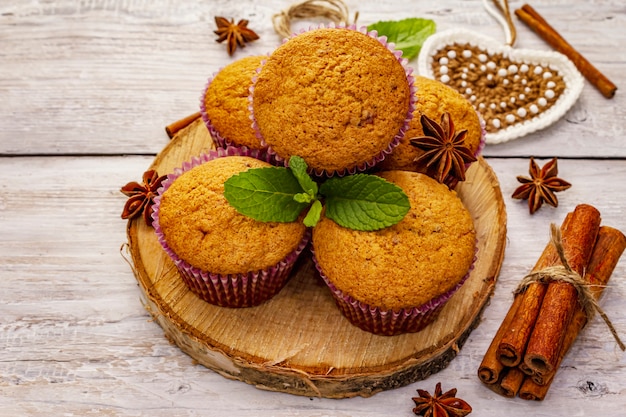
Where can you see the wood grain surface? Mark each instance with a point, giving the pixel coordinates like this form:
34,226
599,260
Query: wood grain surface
86,90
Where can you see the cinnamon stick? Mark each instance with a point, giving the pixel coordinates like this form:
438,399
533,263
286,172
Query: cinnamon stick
609,247
539,25
490,368
512,345
497,388
525,369
511,382
532,391
561,298
178,125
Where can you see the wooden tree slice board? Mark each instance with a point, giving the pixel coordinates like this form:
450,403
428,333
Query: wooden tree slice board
298,342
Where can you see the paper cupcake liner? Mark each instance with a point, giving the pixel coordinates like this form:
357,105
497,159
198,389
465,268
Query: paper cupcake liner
219,140
232,290
362,167
389,322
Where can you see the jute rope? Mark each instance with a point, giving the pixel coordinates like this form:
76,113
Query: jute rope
565,273
502,14
333,10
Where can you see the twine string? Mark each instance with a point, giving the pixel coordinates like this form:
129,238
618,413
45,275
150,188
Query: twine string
502,14
333,10
564,273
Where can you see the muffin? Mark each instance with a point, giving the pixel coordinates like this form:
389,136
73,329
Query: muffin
339,98
224,257
224,104
434,99
396,280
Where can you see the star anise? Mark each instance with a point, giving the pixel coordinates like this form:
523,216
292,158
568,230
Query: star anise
141,196
235,34
444,149
440,405
541,185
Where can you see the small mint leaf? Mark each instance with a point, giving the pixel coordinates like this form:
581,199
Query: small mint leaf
408,35
299,168
314,214
364,202
265,194
303,198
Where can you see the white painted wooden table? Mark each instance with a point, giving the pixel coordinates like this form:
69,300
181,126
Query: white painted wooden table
86,88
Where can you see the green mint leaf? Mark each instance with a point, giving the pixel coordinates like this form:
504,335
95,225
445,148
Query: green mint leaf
314,214
299,168
303,198
364,202
408,34
265,194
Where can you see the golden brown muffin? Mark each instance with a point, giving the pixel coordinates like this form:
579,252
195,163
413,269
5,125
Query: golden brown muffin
225,105
408,264
336,97
204,230
434,99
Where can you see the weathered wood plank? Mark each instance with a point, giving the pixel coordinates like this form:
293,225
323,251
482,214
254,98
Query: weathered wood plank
75,337
105,77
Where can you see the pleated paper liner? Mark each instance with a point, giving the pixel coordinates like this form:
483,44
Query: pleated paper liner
298,342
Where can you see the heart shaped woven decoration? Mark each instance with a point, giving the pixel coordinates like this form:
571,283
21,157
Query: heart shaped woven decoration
516,91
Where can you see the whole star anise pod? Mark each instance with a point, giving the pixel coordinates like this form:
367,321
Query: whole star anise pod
234,34
141,196
444,149
440,405
541,185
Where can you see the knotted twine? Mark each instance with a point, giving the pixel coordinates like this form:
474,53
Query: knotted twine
334,10
565,273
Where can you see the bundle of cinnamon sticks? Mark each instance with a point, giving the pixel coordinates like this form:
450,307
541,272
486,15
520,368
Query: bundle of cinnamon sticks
546,315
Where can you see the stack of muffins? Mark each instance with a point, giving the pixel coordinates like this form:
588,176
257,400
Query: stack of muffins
345,101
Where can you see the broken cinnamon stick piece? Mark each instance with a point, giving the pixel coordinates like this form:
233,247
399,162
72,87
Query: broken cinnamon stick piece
512,345
607,251
539,25
561,298
178,125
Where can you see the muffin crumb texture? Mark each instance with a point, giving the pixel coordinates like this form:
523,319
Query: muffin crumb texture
335,97
434,99
406,265
203,229
226,102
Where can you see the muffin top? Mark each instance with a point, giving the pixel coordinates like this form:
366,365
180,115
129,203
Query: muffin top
434,99
336,97
226,103
204,230
408,264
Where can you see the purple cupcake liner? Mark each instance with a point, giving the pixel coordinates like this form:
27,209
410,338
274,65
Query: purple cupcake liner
231,290
396,139
389,322
219,140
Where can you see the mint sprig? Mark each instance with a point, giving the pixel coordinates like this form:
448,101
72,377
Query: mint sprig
364,202
265,194
277,194
408,35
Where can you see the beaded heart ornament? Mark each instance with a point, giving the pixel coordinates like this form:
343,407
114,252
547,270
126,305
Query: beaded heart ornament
516,91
